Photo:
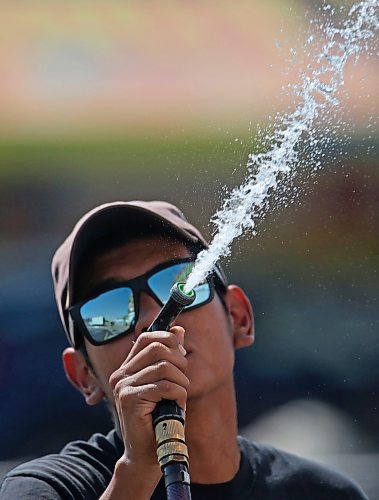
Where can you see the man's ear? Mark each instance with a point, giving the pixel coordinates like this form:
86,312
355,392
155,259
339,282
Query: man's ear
81,376
241,315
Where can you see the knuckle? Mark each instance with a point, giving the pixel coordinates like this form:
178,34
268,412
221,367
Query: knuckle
155,345
168,338
165,386
163,367
157,350
173,339
122,390
126,397
113,380
118,376
142,339
117,389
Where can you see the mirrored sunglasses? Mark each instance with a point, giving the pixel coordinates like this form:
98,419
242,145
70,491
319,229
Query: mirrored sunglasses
113,311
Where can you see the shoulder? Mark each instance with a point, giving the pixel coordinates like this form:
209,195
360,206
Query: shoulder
277,471
81,467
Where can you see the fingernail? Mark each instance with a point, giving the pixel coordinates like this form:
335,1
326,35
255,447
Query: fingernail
182,350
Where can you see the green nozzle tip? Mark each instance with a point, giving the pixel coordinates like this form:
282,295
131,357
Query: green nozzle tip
181,289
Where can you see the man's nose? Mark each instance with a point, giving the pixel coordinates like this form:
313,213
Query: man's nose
148,310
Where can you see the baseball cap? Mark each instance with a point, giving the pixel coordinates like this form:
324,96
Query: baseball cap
123,218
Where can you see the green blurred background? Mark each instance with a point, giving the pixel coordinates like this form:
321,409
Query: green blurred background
105,101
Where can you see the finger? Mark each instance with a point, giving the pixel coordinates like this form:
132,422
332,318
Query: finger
168,339
152,354
129,399
163,370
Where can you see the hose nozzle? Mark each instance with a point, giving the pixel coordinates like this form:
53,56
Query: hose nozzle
178,300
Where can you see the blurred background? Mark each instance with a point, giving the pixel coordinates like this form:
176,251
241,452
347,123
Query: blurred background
105,101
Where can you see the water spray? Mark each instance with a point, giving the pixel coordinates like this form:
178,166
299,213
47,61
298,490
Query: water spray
269,171
248,204
168,417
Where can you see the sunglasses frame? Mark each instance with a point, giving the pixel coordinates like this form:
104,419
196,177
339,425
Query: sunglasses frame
137,284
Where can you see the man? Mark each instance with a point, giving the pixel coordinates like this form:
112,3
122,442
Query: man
111,276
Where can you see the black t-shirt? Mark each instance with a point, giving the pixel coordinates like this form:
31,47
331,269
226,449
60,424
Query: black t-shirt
83,469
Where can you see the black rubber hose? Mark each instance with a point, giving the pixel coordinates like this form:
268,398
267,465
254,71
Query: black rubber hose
168,417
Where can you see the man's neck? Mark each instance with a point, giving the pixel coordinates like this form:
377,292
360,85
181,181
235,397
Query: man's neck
211,437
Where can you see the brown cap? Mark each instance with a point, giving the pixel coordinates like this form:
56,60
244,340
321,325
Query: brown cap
120,217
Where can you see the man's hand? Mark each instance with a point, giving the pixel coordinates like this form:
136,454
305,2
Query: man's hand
154,370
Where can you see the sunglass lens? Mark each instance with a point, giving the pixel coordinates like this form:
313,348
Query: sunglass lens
162,282
109,315
203,293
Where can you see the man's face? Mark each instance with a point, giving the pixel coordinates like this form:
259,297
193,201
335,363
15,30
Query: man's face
208,338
